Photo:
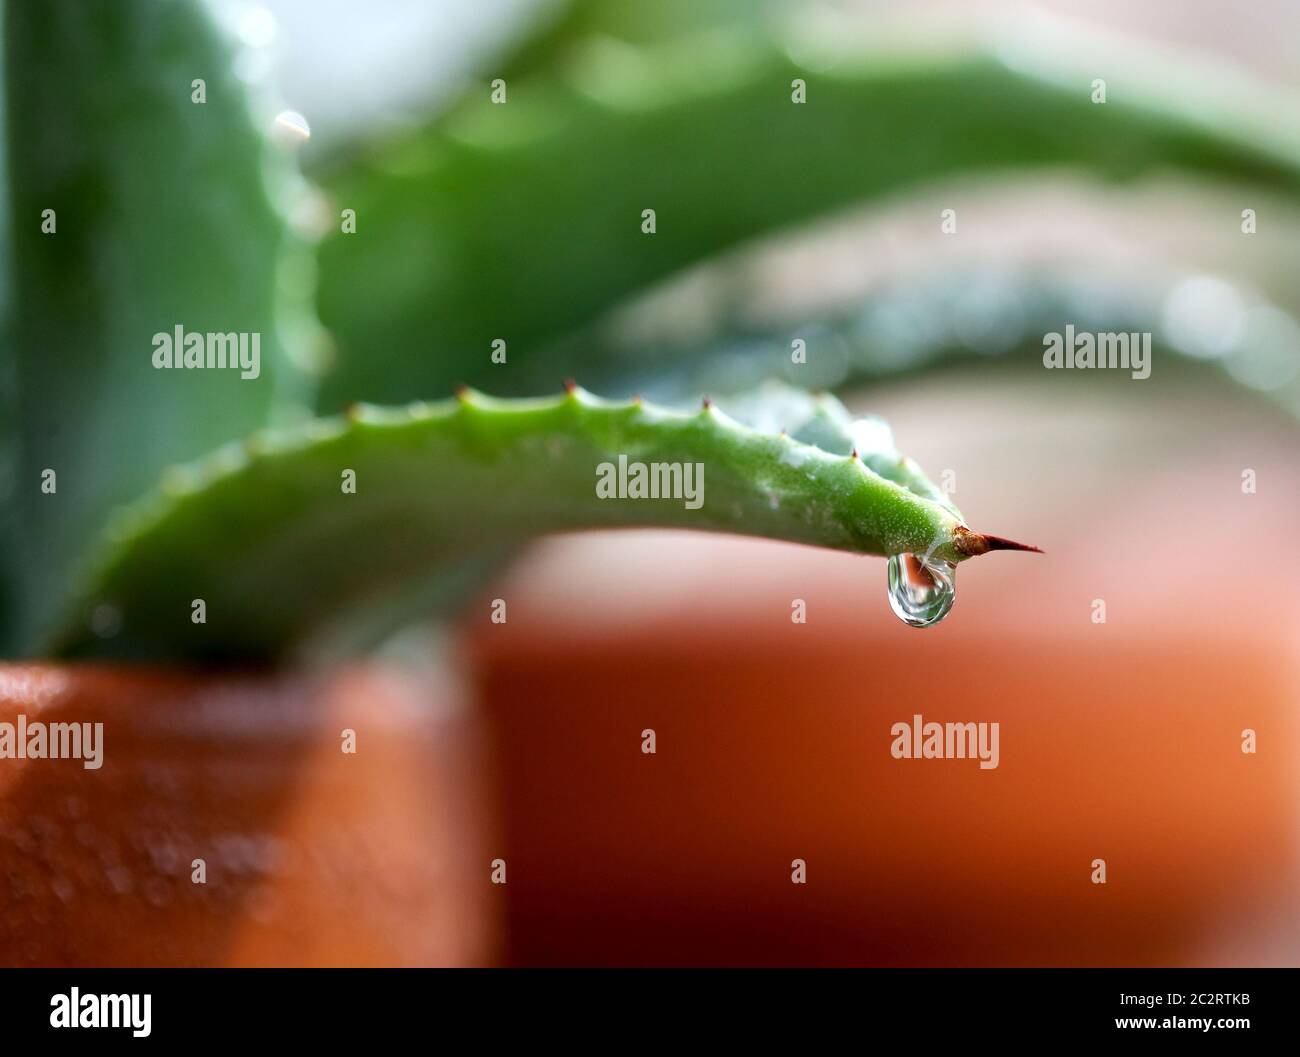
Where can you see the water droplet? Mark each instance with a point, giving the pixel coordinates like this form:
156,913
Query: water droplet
290,128
120,880
921,589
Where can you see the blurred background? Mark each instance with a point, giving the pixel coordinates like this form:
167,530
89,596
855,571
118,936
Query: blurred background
522,741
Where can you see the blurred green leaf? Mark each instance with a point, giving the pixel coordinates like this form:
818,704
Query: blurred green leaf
165,212
523,221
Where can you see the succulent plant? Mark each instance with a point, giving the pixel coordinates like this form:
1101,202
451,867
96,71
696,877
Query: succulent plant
522,222
142,194
432,487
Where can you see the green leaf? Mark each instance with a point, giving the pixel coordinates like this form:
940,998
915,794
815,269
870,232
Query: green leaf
270,538
522,221
163,212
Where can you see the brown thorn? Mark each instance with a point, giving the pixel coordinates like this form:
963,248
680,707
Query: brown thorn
570,386
971,543
707,403
1000,543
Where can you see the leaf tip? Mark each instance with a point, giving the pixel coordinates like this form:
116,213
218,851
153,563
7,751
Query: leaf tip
972,543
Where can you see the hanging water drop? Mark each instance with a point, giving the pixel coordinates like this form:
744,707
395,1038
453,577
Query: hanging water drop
921,589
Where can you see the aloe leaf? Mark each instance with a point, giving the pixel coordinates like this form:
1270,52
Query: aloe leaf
268,536
823,421
993,318
135,207
702,129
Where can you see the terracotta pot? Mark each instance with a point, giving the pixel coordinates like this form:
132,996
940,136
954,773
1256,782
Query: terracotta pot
313,856
1119,741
